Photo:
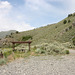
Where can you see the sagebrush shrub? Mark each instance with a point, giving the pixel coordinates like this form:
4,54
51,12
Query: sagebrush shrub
69,21
73,41
70,27
67,52
69,15
66,29
2,61
68,45
65,21
6,54
74,14
51,48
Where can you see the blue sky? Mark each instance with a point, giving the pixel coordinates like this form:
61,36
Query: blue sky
25,15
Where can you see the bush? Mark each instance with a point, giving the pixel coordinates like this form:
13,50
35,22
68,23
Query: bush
17,32
12,33
52,48
24,38
70,27
66,30
65,21
6,54
68,45
74,14
69,15
67,52
34,48
6,36
69,21
73,41
55,26
16,44
2,61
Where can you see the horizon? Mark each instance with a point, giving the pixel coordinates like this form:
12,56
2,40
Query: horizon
26,15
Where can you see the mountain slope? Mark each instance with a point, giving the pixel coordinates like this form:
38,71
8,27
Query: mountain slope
4,33
55,32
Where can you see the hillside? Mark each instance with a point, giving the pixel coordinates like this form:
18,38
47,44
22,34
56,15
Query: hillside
55,32
4,33
62,32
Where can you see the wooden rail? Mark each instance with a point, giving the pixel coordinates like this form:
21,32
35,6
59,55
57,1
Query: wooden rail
20,42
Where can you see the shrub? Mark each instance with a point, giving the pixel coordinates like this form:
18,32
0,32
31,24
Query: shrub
70,27
69,21
6,54
55,26
68,45
52,48
34,48
66,30
67,52
6,36
42,51
17,32
73,23
24,38
12,33
2,61
74,14
38,50
16,44
10,36
69,15
65,21
73,41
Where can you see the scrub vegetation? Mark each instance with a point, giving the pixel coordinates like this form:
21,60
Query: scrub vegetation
52,39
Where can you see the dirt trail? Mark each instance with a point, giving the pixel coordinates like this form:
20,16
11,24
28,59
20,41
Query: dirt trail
72,51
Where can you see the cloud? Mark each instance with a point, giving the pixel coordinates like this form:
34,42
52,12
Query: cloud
32,13
7,22
49,11
5,4
70,6
43,6
48,6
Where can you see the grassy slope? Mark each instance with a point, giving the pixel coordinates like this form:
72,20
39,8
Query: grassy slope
50,33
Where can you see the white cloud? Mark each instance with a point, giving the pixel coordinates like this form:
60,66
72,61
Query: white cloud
6,20
5,4
8,24
42,5
70,6
43,8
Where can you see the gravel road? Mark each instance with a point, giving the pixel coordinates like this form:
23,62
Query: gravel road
41,65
